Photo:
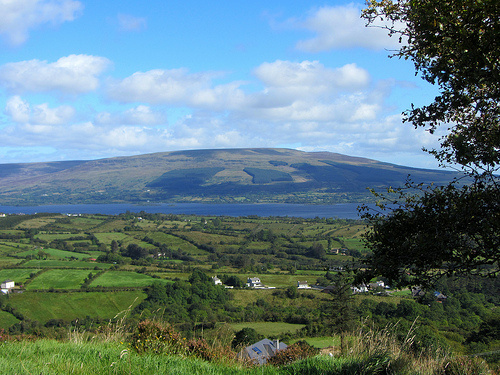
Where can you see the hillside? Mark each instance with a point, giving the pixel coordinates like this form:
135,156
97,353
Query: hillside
230,175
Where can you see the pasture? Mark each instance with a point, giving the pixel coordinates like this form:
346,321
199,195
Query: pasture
266,329
70,306
55,253
19,276
59,279
124,279
40,263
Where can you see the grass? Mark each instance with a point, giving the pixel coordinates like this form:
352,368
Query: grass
46,357
56,253
175,243
18,275
320,342
65,264
268,328
79,357
70,306
59,279
7,319
54,236
124,279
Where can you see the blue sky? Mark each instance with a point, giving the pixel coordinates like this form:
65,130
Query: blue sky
94,79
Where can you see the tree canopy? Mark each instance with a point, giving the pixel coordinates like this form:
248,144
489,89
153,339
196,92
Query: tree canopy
452,229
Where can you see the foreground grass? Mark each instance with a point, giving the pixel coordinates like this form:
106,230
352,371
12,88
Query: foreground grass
46,357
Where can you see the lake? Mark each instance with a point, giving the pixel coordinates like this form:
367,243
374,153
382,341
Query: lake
341,211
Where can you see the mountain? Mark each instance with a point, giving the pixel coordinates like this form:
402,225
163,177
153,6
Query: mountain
230,175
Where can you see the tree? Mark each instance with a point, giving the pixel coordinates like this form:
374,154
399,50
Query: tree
245,336
452,229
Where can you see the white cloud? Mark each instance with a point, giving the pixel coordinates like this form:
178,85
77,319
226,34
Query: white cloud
18,17
71,74
299,104
128,22
340,27
140,115
177,87
21,112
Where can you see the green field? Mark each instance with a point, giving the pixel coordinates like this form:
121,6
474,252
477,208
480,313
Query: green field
69,306
320,342
59,279
61,254
124,279
268,328
19,276
65,264
7,319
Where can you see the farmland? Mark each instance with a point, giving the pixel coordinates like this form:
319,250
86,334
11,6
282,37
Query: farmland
73,271
97,265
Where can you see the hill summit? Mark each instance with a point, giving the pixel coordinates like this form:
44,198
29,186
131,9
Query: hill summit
220,176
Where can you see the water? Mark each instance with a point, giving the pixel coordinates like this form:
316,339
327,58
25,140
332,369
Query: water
341,211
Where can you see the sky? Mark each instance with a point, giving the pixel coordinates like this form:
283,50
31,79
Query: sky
92,79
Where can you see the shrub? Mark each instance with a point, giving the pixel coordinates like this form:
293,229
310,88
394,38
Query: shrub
155,337
299,350
201,349
466,366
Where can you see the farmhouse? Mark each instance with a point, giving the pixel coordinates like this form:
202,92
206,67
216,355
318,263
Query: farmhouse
303,285
7,286
216,280
261,351
254,282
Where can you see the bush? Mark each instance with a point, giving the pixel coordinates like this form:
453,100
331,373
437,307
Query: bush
466,366
201,349
299,350
155,337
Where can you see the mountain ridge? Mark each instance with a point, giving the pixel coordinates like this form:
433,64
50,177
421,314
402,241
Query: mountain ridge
212,175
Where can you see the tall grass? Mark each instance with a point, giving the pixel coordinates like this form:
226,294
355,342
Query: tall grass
366,352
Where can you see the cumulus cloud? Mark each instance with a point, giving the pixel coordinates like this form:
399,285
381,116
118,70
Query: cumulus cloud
128,22
140,115
299,90
340,27
20,111
176,87
303,105
18,17
71,74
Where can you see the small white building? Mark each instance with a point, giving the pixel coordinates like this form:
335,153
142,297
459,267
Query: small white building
376,284
7,286
254,282
216,280
303,285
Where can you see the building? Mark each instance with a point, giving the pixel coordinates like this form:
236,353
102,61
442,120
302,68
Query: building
7,286
254,282
216,280
261,351
303,285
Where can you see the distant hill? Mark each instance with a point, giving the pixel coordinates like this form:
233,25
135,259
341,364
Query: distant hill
230,175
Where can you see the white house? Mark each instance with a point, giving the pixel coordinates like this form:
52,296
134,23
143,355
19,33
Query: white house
7,286
303,285
216,280
254,282
376,284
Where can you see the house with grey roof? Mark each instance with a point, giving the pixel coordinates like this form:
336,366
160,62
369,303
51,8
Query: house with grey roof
261,351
